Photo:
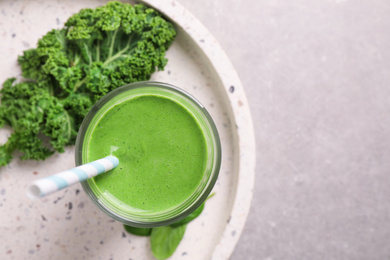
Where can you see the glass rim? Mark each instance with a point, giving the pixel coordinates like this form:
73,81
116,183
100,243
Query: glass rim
217,156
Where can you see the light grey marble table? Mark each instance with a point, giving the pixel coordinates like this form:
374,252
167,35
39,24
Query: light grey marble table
317,76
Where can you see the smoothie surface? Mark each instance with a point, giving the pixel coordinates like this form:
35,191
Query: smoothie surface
161,150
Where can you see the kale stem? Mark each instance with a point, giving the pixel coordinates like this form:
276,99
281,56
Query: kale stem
78,84
97,50
112,44
76,59
118,54
88,54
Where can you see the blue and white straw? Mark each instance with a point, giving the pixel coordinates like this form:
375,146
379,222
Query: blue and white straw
61,180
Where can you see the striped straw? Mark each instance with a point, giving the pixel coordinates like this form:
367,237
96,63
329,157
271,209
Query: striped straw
45,186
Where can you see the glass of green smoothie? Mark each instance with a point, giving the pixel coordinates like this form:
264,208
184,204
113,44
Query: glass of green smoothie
168,148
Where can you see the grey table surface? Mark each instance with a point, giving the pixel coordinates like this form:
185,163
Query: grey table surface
317,77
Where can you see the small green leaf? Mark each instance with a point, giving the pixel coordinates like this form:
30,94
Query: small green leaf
190,217
138,231
164,240
193,215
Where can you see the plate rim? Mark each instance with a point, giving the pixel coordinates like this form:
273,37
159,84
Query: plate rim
244,137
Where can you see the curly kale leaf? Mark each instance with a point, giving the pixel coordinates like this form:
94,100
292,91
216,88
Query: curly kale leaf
97,51
101,49
31,111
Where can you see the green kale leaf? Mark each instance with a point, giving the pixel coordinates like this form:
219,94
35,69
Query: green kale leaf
96,52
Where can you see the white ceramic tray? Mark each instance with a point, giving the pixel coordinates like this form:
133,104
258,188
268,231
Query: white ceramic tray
67,225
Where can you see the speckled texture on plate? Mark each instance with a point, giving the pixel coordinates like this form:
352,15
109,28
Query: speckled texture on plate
67,225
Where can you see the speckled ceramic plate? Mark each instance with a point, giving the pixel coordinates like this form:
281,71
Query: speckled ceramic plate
67,225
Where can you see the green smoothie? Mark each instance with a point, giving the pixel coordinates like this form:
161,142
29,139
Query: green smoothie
161,149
